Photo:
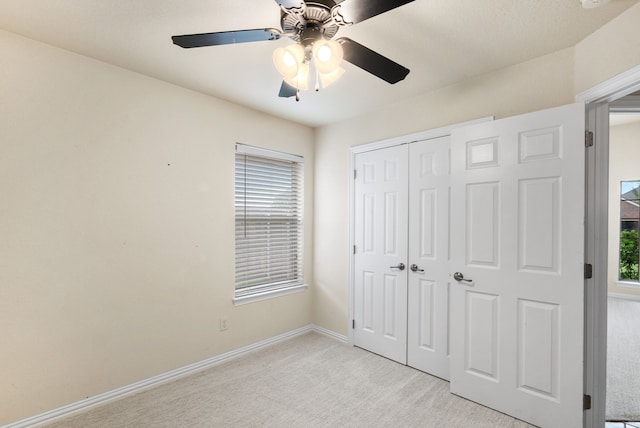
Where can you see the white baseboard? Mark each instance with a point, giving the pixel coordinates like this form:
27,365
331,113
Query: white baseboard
331,334
624,296
116,394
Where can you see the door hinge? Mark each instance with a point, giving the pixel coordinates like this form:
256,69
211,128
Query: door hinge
588,271
354,249
355,173
353,324
586,402
588,139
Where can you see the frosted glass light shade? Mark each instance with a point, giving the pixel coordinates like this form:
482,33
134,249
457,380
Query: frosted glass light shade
327,55
300,79
329,78
288,60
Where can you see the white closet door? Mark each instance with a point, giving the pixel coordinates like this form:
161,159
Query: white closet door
428,329
380,261
517,238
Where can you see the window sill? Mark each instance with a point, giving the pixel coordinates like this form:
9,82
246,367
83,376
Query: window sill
628,284
269,294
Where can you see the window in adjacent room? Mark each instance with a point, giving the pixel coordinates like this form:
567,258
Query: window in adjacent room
268,213
629,222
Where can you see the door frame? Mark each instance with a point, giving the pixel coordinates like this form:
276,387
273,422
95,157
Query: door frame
367,147
597,101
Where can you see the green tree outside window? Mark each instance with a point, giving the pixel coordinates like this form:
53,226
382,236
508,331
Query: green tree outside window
629,230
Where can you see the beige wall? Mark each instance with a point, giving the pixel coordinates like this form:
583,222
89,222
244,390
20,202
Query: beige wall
117,228
613,49
624,158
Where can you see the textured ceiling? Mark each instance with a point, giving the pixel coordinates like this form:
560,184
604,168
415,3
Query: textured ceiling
440,41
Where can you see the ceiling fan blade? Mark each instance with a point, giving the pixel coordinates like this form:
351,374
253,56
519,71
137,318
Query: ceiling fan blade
225,37
290,4
372,62
286,90
354,11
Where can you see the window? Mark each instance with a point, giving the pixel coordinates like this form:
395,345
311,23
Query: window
629,221
268,212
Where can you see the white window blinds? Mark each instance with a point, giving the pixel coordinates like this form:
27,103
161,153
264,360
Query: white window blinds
268,212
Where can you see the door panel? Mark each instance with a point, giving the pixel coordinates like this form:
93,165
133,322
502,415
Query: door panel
517,232
428,324
482,336
538,340
539,224
380,292
482,220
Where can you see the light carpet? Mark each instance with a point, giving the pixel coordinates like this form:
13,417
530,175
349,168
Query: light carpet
623,360
308,381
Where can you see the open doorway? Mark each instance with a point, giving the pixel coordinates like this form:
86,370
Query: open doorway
598,100
623,280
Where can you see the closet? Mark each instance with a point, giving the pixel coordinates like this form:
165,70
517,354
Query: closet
401,290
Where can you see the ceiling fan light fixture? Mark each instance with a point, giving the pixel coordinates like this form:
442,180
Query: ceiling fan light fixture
289,60
327,55
312,24
294,63
300,79
329,78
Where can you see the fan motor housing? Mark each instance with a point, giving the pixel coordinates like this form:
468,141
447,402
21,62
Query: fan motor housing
313,23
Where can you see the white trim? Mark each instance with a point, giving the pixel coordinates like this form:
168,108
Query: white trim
268,153
134,388
255,297
612,89
596,213
628,284
332,334
625,296
419,136
352,219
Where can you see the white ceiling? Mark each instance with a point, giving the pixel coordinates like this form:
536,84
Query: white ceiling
440,41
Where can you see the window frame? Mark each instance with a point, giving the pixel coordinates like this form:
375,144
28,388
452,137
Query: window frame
626,282
289,223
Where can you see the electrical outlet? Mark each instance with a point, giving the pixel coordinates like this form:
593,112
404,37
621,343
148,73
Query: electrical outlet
224,324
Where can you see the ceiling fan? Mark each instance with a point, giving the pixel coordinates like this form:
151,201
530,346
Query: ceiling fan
312,25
